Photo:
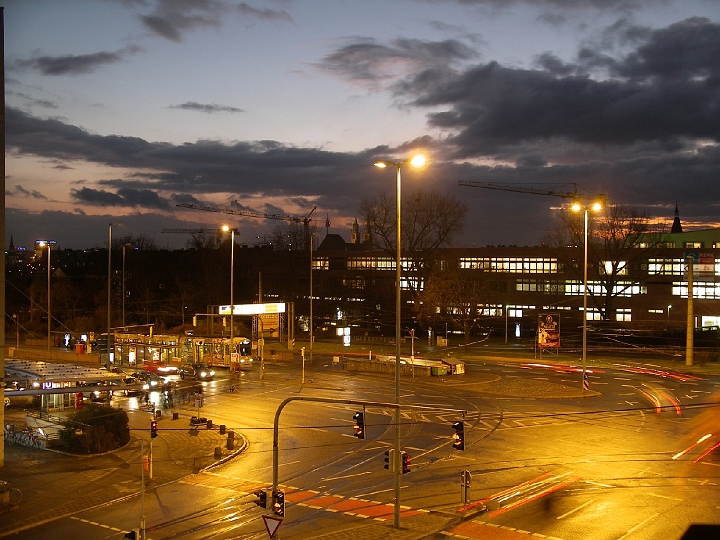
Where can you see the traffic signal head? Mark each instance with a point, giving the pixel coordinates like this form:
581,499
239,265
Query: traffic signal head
459,436
390,460
153,429
359,425
133,535
261,498
280,504
405,462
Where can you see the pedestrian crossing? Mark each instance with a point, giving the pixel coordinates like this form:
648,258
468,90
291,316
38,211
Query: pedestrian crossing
350,506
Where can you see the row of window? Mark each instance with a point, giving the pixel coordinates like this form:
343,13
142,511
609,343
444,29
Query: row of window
511,265
573,287
531,265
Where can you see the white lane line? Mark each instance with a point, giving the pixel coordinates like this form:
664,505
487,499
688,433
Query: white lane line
639,525
566,514
664,497
346,476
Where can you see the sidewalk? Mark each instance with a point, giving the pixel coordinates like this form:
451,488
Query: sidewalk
56,484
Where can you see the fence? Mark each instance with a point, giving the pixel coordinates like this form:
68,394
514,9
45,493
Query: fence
25,437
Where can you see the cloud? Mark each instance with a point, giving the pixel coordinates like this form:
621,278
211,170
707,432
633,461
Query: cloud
366,60
206,107
171,18
600,5
129,197
74,64
648,96
20,191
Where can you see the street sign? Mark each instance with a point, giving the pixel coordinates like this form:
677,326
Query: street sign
272,524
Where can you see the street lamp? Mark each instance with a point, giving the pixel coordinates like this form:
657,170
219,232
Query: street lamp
109,290
416,161
46,243
227,228
668,313
577,207
127,245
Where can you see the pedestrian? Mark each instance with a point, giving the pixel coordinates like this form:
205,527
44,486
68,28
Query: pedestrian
147,399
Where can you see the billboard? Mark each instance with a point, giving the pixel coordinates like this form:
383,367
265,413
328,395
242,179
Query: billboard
549,331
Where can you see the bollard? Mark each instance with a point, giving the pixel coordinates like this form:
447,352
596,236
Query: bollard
222,429
231,435
218,452
209,424
176,416
158,414
230,444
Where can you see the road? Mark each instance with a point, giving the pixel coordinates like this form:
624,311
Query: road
545,462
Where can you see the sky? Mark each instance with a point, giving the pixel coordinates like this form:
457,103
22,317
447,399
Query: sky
119,110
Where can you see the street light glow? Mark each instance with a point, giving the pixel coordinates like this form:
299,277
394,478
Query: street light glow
418,161
381,164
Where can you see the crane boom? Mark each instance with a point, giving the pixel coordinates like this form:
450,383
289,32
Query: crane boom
240,212
191,231
519,188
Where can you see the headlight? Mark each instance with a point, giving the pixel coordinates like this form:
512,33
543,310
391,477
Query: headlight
203,374
212,373
146,386
153,383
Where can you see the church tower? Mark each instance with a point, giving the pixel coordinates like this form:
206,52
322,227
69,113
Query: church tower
676,226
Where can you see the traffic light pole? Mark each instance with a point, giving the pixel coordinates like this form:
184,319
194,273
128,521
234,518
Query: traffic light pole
276,455
397,457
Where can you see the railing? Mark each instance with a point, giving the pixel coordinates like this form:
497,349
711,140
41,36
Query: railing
24,437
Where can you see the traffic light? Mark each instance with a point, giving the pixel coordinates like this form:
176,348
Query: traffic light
405,462
459,436
261,498
133,535
390,460
359,425
279,504
153,429
194,320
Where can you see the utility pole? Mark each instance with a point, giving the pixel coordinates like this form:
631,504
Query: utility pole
690,316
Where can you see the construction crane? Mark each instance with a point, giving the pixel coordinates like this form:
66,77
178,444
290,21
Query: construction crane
305,221
191,231
518,188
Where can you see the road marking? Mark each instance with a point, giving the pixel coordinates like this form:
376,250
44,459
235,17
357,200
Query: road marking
664,497
346,476
566,514
479,530
638,526
98,524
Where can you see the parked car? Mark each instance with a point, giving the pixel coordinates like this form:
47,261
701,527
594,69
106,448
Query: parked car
201,372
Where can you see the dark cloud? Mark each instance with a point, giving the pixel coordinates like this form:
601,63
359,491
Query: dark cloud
171,18
617,5
206,107
366,60
70,64
664,91
129,197
646,132
19,191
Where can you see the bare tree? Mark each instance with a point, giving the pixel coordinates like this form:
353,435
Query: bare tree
430,220
289,236
614,241
455,296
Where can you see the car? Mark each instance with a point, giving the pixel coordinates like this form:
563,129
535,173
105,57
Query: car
201,372
151,381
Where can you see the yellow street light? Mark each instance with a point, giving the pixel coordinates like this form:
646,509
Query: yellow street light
577,206
418,160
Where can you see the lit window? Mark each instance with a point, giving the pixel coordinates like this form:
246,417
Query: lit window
623,315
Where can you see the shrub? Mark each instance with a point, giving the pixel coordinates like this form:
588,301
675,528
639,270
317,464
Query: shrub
94,429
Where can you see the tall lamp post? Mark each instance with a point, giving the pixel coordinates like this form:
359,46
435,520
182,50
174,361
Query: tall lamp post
416,161
109,293
227,228
668,313
46,244
577,207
